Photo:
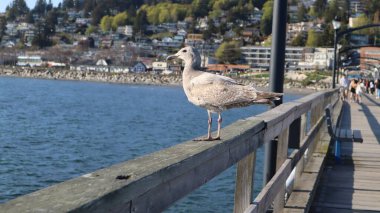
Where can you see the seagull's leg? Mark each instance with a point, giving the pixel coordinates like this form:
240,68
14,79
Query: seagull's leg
209,137
219,125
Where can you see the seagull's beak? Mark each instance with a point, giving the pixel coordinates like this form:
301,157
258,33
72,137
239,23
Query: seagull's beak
170,57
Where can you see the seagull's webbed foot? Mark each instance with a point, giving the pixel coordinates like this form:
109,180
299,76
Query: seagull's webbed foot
207,139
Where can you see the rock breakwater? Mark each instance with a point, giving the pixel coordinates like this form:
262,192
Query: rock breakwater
135,78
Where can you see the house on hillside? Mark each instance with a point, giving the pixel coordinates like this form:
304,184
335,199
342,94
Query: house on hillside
159,66
139,67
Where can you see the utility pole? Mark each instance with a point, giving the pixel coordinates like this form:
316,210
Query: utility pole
276,76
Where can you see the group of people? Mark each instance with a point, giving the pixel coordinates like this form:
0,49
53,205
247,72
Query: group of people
353,89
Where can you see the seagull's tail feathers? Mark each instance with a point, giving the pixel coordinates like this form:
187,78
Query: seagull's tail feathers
267,97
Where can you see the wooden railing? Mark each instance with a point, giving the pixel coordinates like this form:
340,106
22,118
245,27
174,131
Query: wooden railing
153,182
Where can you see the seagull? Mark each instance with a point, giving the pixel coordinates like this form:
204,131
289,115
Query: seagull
216,93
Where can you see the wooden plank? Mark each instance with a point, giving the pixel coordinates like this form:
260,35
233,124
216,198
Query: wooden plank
269,192
251,209
244,182
357,135
282,153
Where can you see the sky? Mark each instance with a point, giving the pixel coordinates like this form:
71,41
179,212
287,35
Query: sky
30,3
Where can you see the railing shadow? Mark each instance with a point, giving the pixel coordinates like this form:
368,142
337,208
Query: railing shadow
371,118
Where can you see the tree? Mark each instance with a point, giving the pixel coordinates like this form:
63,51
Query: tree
319,7
301,14
29,18
199,8
41,39
40,7
328,36
228,52
313,39
266,19
16,9
68,4
299,40
119,20
106,23
91,29
3,27
50,22
360,21
140,22
97,14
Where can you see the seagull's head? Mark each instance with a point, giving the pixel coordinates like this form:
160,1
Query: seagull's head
188,55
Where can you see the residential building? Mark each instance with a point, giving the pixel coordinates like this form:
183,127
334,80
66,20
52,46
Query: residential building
159,66
369,58
138,67
356,7
317,58
195,40
228,68
32,61
295,57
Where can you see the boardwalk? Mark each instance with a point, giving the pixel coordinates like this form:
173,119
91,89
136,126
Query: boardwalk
354,185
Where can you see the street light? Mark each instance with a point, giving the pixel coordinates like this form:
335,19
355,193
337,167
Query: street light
336,26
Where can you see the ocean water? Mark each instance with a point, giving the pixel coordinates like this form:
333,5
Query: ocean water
52,131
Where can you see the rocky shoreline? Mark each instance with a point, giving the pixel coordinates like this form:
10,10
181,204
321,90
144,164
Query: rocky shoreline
143,79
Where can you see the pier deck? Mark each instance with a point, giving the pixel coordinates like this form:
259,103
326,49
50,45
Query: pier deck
354,184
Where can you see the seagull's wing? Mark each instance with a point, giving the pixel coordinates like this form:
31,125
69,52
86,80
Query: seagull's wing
219,92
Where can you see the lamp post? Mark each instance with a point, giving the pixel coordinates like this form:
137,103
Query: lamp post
336,26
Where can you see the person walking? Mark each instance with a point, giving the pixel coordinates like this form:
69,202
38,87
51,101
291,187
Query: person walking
372,87
377,88
359,90
344,83
353,90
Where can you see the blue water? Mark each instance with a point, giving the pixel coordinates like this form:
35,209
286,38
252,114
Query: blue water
51,131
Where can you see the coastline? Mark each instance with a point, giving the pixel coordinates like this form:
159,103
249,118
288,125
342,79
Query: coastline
140,78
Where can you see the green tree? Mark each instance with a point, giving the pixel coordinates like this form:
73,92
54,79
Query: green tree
29,18
328,36
331,11
16,9
140,22
3,27
228,52
301,14
91,29
106,23
199,8
319,7
50,22
98,13
119,20
165,12
68,4
41,39
40,7
313,39
360,21
299,40
266,19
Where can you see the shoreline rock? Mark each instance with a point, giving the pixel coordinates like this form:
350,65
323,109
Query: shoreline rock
142,79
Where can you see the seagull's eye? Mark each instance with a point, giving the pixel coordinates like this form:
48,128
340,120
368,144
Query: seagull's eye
184,51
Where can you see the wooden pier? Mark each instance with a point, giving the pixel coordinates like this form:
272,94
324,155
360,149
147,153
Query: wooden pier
353,185
307,179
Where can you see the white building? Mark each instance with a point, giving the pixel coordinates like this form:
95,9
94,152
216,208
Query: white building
295,57
32,61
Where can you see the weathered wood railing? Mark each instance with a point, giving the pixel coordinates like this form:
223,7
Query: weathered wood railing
153,182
